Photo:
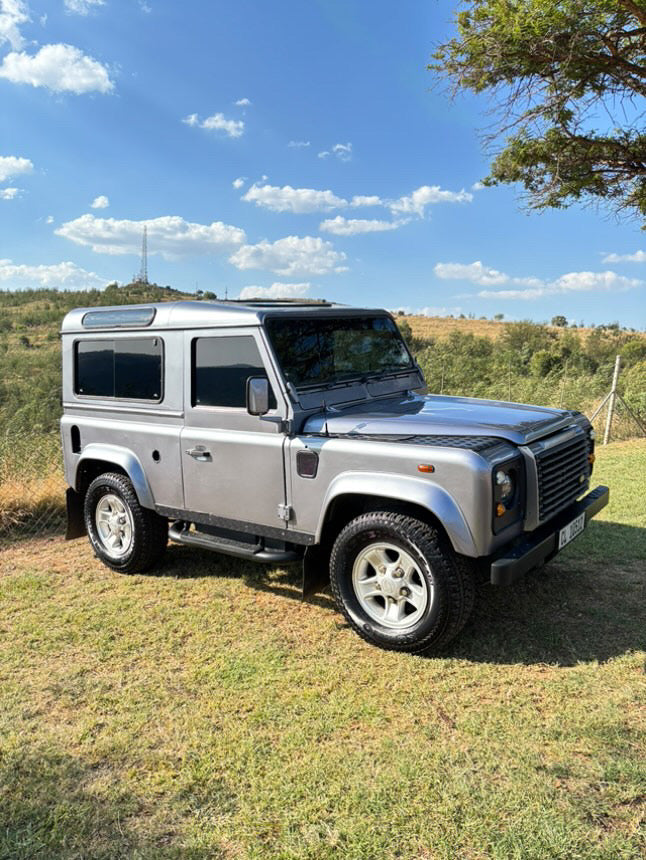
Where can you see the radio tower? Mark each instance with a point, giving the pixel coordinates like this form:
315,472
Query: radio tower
142,277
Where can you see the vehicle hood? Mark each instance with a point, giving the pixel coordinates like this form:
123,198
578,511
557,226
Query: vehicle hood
442,416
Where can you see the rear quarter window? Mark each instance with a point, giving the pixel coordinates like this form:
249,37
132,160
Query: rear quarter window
126,368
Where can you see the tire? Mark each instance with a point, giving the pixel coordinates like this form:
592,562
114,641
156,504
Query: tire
380,553
126,537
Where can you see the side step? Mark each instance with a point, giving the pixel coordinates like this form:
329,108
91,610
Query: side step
179,532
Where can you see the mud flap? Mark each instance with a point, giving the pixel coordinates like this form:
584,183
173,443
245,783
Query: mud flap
316,570
75,518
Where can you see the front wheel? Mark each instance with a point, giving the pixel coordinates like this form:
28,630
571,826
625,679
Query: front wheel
398,583
125,536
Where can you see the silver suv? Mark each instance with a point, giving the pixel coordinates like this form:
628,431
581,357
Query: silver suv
285,431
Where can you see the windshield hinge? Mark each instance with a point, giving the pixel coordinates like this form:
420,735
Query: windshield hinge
284,512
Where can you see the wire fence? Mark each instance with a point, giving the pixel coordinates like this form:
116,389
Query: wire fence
32,485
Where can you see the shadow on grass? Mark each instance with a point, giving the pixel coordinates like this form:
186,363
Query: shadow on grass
194,563
586,605
55,806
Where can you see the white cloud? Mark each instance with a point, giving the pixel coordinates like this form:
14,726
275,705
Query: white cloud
9,193
416,202
82,7
100,202
637,257
13,13
341,226
428,311
475,273
60,68
292,256
343,151
217,122
49,219
277,290
13,165
366,200
170,236
298,144
297,200
63,275
239,182
243,103
531,287
482,276
478,186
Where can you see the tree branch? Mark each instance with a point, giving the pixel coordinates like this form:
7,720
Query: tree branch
637,11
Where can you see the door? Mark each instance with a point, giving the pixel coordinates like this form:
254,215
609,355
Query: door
233,462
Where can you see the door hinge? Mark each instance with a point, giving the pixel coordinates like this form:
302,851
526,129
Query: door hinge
285,512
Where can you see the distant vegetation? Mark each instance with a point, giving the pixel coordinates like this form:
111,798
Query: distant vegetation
530,362
521,361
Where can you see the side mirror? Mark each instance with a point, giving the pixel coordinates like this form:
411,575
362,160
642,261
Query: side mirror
257,395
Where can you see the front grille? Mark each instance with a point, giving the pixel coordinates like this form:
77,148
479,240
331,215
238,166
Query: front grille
563,473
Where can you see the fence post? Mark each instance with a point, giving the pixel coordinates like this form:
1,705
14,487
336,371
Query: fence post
613,400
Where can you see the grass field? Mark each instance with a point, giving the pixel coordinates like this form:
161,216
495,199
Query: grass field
206,712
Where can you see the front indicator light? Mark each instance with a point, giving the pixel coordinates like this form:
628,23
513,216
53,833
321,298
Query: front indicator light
591,459
501,510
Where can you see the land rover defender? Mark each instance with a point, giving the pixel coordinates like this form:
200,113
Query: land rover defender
300,432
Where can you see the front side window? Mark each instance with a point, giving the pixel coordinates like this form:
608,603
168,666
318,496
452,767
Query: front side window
129,368
221,368
324,351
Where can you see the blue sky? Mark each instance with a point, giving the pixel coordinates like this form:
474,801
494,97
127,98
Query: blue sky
292,147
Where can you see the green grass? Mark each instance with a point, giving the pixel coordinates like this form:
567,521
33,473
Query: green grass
207,712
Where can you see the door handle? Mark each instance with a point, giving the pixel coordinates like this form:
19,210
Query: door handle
200,452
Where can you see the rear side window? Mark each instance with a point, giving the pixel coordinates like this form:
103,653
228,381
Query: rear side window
221,367
130,368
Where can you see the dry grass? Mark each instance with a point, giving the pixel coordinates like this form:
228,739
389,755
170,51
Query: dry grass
441,327
31,505
32,486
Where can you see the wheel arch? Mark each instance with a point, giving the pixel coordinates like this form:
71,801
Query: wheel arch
99,458
352,494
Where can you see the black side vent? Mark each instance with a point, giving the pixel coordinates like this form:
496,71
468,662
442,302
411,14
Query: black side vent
75,436
307,463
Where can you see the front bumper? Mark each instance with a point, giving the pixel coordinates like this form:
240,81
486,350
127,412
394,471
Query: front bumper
542,544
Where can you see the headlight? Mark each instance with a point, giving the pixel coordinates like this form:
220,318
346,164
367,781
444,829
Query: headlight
508,491
505,484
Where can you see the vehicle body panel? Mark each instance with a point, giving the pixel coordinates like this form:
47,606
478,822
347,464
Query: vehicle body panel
438,414
370,436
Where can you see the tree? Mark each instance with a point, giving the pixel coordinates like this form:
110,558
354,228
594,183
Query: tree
405,330
567,79
559,321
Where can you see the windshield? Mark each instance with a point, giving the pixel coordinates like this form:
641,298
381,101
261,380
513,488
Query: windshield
323,351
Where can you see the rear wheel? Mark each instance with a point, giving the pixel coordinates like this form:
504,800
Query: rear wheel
124,535
399,584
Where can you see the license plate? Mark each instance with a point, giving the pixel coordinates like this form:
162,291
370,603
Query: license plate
571,530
